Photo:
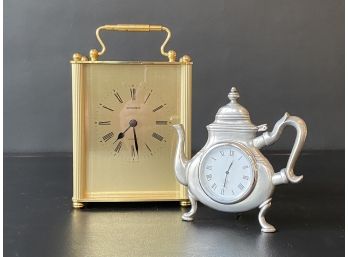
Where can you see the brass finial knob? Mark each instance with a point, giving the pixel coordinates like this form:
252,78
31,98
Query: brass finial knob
76,57
233,95
185,59
93,54
171,55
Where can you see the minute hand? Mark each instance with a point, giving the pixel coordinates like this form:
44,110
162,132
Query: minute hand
227,172
229,167
135,140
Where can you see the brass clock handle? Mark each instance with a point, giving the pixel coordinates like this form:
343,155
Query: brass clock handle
94,53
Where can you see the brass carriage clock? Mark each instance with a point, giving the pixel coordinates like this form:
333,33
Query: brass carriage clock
123,142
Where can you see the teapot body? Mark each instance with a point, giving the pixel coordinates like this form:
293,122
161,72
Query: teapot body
233,128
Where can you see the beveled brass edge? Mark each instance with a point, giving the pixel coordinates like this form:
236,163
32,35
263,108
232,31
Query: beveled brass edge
185,113
121,199
78,134
131,62
130,193
132,196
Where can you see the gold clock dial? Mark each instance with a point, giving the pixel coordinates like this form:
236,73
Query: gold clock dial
133,122
130,144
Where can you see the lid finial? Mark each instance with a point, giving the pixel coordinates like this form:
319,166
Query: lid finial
233,116
233,95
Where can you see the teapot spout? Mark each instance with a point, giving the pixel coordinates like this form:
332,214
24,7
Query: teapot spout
180,162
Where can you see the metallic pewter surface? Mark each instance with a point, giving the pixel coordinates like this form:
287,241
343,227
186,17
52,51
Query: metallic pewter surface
233,126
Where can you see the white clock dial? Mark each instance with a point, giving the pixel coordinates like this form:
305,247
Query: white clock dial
227,173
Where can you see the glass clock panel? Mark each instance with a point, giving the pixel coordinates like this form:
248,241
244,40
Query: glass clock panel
130,142
226,173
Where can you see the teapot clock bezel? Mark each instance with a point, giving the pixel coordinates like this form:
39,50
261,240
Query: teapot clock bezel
251,160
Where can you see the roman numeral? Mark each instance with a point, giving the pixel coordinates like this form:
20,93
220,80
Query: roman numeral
118,97
161,122
104,123
107,108
246,177
148,148
108,136
132,93
159,107
118,147
147,98
240,186
156,136
209,177
245,167
213,158
231,152
209,167
222,153
240,158
214,186
222,191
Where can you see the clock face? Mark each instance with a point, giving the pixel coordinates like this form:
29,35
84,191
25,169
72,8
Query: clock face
130,143
133,122
227,173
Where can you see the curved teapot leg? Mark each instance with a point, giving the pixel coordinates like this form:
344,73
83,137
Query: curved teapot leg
188,216
265,227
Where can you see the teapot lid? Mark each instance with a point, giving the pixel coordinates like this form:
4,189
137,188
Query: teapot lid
233,116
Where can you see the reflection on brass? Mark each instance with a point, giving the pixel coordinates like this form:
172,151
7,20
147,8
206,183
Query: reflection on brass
185,203
78,205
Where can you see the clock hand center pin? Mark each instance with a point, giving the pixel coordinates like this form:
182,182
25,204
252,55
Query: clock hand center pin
133,123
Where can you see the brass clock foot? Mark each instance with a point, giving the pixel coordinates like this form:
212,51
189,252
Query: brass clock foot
78,205
185,203
188,216
265,226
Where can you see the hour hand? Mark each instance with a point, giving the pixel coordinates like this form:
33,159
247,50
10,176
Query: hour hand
121,134
225,179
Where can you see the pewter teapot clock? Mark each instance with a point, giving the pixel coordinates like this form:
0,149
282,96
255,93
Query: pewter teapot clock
230,173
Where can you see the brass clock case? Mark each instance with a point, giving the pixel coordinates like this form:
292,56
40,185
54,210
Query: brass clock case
110,107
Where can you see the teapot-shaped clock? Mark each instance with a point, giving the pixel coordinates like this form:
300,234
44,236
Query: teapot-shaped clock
229,173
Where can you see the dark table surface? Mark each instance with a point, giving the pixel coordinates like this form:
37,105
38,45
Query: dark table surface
39,220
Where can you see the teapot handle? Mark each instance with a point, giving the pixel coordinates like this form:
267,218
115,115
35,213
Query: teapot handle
269,138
